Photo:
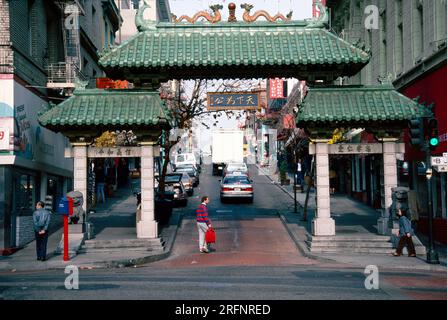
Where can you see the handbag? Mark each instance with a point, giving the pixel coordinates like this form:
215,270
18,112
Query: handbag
210,236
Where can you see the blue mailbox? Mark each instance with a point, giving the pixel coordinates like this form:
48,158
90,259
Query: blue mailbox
63,207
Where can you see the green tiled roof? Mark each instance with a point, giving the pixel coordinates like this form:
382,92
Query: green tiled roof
358,104
111,108
184,48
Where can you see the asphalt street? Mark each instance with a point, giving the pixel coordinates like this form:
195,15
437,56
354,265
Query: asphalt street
254,259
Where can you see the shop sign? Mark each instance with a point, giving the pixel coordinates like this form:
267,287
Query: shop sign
115,152
233,101
360,148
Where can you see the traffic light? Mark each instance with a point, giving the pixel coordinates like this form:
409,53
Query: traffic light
416,131
432,133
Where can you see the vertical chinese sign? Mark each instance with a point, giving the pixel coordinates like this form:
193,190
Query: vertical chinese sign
277,88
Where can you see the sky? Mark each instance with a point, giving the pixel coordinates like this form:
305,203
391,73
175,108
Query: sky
302,9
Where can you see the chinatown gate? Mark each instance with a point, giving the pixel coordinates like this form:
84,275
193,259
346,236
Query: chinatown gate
215,49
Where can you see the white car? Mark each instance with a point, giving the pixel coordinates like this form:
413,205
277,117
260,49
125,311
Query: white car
185,158
235,167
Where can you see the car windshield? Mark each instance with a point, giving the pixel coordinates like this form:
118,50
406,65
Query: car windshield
236,180
172,178
180,158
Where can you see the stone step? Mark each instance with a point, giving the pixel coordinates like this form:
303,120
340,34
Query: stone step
361,238
142,250
127,243
349,244
383,251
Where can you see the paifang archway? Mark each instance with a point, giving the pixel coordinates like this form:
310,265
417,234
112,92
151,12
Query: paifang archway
306,50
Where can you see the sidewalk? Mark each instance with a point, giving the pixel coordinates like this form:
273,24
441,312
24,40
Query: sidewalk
351,217
114,220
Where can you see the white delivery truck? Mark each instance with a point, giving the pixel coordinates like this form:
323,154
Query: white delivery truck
227,146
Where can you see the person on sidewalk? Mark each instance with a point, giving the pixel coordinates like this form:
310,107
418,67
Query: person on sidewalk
405,233
100,183
41,220
203,223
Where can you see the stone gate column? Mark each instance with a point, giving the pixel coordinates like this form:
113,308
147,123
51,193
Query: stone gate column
322,224
80,171
390,181
147,227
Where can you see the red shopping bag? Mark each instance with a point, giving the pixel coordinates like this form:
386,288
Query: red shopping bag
210,236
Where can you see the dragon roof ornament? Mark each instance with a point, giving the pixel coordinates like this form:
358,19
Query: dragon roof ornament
202,14
141,23
322,21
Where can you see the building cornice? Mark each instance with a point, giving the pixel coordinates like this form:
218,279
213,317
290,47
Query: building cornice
432,63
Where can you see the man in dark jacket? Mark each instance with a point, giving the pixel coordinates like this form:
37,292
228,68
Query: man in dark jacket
41,220
405,233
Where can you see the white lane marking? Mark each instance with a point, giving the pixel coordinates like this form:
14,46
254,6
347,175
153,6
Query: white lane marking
223,211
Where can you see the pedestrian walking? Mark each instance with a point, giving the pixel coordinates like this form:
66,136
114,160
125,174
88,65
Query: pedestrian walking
405,233
41,220
203,223
100,183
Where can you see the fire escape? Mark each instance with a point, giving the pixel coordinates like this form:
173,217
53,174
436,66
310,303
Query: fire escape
66,75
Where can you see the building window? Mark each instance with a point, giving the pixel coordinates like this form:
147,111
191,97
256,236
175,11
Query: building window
106,35
383,44
30,7
418,30
24,195
136,4
441,22
399,55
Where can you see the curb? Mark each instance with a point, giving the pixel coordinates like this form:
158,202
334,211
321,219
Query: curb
302,247
299,243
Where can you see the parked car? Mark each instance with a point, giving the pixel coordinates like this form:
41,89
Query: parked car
188,182
173,182
235,167
236,185
191,171
186,158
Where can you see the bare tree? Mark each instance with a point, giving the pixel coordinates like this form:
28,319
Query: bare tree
189,104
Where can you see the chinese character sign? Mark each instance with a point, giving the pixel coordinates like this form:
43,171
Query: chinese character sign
276,89
233,101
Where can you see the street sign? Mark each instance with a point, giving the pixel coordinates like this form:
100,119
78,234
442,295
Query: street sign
441,168
438,161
